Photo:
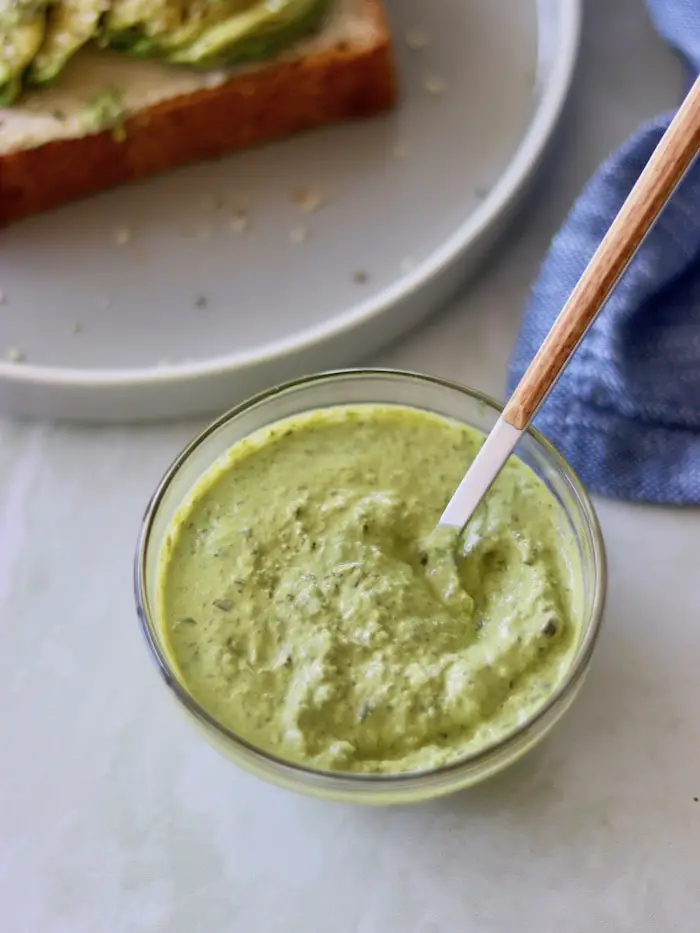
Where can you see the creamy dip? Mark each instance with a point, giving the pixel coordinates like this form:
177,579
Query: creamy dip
308,604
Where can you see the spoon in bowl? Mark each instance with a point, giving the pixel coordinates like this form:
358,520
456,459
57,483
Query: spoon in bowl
662,174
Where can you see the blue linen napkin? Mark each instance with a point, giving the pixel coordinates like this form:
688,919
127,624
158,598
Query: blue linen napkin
626,412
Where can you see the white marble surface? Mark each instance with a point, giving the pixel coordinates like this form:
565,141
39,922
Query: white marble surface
115,817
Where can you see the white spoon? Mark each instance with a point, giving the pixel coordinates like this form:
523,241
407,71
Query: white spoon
662,174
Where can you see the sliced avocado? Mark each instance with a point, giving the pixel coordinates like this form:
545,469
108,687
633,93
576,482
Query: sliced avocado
145,29
70,24
18,46
127,20
256,33
214,33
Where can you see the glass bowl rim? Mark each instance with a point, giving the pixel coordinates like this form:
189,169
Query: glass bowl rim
294,771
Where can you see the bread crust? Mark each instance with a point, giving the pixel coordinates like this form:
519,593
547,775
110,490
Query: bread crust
283,98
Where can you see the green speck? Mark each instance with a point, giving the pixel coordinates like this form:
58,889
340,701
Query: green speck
106,112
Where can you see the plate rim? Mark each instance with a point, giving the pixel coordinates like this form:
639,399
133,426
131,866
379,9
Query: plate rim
521,165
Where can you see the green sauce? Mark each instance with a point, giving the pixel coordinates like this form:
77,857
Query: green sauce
307,602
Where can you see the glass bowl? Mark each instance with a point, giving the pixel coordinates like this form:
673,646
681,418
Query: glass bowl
388,387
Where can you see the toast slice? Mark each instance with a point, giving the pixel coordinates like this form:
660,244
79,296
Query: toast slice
54,150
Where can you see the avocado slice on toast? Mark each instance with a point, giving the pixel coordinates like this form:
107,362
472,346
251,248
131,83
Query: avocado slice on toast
144,29
22,27
215,33
69,25
254,34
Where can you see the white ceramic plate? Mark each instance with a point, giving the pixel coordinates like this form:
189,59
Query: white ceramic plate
190,314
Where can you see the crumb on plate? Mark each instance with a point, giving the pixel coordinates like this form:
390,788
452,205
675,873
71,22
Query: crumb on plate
416,39
299,235
240,221
435,84
309,200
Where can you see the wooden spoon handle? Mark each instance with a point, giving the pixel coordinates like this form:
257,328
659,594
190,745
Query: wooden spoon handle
664,171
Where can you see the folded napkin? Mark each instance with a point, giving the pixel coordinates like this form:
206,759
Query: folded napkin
626,412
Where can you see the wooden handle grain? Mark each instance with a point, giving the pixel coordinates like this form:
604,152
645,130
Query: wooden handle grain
668,164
